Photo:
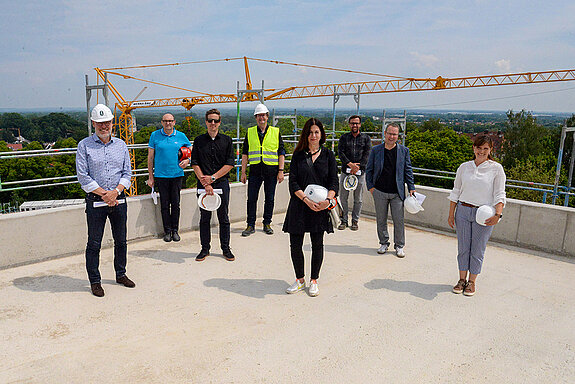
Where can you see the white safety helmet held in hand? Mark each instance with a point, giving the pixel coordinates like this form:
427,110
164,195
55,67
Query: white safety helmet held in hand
101,113
316,193
412,205
260,108
483,213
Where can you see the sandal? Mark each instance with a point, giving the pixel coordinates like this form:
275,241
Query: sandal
460,286
469,288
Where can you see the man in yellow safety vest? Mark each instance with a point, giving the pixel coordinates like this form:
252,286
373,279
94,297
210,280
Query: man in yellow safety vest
264,150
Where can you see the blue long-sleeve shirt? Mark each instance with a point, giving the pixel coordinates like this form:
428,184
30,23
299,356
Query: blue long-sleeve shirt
103,165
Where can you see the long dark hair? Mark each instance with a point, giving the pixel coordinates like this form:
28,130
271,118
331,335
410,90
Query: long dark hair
483,139
303,143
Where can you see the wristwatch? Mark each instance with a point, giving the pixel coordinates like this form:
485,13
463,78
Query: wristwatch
117,190
213,178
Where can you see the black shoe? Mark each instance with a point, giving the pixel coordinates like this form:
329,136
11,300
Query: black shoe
168,236
268,229
125,281
175,236
97,289
202,255
248,231
229,255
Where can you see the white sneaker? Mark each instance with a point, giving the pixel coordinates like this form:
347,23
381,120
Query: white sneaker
296,287
382,249
399,252
313,289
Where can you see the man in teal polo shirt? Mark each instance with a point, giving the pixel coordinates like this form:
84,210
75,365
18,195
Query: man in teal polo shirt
166,172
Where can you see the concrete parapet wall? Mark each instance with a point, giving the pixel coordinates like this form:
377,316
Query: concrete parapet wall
34,236
28,237
524,224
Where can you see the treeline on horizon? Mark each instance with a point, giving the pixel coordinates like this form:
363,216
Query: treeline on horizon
528,153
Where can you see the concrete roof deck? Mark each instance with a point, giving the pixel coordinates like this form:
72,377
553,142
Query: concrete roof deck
377,318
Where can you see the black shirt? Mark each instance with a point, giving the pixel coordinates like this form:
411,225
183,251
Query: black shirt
261,168
386,181
299,217
354,149
211,155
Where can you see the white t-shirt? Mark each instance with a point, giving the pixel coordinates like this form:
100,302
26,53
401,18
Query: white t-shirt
479,185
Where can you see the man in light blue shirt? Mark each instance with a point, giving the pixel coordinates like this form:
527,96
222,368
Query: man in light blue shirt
166,172
104,172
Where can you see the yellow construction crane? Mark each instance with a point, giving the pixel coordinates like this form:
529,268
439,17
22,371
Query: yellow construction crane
124,121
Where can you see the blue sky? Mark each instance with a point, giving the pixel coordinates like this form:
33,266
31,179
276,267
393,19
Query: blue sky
48,46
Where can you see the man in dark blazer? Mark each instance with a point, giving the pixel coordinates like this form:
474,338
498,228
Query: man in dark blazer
388,170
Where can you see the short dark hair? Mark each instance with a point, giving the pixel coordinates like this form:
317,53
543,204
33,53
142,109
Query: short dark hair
479,140
212,111
392,125
303,144
354,117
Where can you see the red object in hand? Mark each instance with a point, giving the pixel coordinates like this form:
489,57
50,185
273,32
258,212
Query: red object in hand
184,153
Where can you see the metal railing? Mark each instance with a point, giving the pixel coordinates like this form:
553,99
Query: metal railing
545,189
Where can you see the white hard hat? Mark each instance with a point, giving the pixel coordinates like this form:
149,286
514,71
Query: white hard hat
483,213
412,205
260,108
316,193
101,113
350,182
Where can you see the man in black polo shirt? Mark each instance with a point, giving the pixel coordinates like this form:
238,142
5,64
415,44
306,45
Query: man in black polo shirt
212,159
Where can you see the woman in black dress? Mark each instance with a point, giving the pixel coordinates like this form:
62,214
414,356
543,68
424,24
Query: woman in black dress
311,164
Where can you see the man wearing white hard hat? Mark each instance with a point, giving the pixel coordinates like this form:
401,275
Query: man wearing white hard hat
104,172
353,150
264,150
388,170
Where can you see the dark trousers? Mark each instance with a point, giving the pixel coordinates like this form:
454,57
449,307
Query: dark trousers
96,218
254,183
223,219
296,246
169,188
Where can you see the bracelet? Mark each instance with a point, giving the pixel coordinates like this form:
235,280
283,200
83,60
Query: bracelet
280,170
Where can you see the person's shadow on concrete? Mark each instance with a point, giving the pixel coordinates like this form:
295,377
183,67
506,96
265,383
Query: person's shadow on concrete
349,249
256,288
54,284
164,255
423,291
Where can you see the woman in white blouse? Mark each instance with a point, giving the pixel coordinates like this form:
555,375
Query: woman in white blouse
478,182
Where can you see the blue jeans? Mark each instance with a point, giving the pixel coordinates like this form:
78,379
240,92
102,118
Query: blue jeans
472,239
223,219
96,218
254,183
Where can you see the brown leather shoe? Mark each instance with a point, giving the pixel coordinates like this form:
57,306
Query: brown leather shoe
460,286
469,288
97,289
354,225
125,281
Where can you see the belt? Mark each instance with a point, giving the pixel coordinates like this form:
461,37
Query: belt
468,205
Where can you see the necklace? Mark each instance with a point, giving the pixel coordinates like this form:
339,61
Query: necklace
313,153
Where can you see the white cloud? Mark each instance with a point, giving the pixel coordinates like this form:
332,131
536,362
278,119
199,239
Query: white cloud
503,65
425,60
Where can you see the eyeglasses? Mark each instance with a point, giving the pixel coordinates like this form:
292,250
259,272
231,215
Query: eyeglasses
354,123
168,121
213,120
391,134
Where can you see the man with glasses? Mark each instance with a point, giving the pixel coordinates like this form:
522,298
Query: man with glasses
353,149
388,170
166,172
264,149
212,160
104,172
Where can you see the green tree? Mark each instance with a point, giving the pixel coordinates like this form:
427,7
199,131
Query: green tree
4,146
524,139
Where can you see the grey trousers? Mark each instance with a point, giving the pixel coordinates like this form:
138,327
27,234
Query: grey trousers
382,201
471,239
357,198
